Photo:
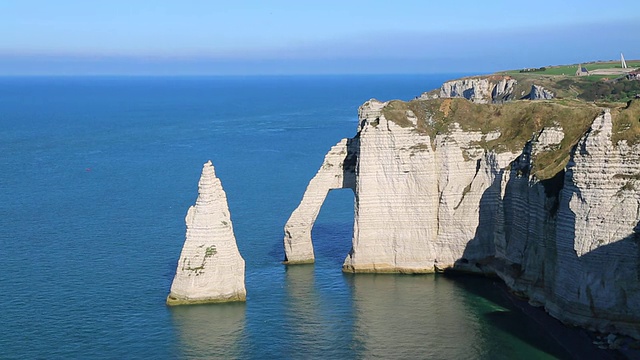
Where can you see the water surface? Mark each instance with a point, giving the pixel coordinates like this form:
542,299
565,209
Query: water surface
96,175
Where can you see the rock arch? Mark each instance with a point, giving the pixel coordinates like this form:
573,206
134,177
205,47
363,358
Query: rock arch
337,172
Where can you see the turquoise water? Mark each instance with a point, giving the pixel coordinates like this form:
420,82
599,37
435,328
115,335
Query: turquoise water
96,175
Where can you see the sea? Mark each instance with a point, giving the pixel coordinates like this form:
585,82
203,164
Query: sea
97,174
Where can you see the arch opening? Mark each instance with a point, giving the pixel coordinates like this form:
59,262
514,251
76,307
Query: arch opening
332,232
338,171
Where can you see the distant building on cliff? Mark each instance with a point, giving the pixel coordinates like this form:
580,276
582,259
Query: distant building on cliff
582,71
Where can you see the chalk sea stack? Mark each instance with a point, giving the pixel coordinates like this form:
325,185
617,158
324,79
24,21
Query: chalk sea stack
210,268
544,194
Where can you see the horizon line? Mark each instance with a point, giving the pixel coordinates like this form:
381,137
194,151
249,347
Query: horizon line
240,75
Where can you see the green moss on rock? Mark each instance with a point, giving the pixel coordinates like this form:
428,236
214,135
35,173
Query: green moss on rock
516,121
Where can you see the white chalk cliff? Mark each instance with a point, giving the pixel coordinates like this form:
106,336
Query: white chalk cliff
431,198
489,89
210,268
337,172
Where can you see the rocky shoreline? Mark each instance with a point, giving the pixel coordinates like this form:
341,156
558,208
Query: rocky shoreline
543,193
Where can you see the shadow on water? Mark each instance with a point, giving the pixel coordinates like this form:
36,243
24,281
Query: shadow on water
440,317
210,331
537,250
491,238
402,316
509,319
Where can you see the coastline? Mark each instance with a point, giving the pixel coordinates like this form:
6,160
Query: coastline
575,342
579,342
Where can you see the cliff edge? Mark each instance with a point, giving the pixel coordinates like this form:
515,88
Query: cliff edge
544,194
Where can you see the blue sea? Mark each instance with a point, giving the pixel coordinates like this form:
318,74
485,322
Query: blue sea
96,176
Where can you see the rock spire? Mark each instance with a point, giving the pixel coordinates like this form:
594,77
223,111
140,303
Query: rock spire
210,268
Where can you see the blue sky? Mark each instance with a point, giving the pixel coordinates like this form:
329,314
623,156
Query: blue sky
164,37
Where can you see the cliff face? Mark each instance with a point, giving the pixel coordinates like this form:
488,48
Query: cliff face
555,214
570,243
491,89
210,268
337,172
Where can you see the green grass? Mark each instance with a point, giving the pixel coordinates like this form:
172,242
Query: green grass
626,123
579,99
588,88
611,65
570,70
556,70
517,122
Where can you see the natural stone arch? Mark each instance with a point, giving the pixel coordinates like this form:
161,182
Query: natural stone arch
337,172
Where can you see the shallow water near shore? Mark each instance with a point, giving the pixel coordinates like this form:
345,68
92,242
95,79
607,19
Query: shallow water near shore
96,175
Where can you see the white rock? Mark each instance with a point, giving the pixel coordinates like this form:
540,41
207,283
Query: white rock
548,138
485,90
416,207
492,135
503,90
595,278
396,203
210,268
540,93
422,205
337,172
476,90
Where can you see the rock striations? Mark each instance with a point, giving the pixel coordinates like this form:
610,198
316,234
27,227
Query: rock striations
210,268
492,89
556,215
337,172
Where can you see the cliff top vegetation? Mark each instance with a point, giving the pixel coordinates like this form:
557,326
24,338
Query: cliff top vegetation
570,70
518,122
605,81
578,100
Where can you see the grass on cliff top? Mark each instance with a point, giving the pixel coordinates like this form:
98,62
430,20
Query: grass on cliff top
626,123
563,82
587,88
516,121
570,70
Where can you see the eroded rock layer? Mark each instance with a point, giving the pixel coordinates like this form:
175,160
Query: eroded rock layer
488,89
556,217
210,268
337,172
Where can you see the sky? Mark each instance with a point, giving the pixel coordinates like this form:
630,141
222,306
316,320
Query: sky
248,37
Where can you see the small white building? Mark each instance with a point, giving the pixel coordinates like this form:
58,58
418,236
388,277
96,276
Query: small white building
582,71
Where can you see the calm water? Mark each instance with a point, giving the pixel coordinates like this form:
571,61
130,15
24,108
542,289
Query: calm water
96,175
